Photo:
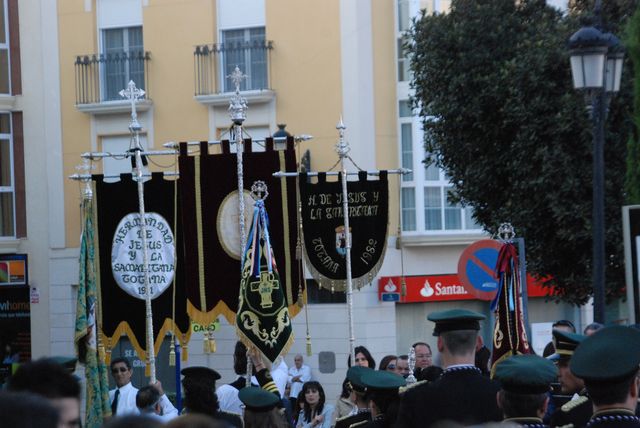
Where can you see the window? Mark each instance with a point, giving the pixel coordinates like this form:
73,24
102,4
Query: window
5,74
7,183
246,49
426,203
123,60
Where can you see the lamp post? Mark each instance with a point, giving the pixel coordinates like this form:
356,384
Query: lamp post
596,67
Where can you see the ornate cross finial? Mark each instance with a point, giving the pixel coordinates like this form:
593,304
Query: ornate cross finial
238,104
86,168
133,94
506,232
259,191
342,148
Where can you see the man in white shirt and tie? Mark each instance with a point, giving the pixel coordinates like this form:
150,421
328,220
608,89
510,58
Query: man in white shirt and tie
298,375
123,398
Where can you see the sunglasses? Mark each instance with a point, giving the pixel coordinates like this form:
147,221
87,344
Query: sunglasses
121,370
391,366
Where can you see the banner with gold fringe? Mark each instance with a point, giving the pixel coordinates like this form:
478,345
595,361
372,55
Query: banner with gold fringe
209,203
509,334
262,319
86,331
121,262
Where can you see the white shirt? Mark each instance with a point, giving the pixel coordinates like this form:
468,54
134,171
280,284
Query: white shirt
126,400
280,377
305,376
228,399
168,411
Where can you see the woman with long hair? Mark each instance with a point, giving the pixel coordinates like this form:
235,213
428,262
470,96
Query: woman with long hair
363,358
388,363
316,413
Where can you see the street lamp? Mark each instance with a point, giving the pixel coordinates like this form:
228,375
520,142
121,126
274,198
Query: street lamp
596,67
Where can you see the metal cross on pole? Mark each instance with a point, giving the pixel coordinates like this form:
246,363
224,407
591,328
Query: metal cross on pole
132,93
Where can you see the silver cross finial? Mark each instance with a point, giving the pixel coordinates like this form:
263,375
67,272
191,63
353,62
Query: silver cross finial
342,148
259,191
238,104
86,168
506,232
133,94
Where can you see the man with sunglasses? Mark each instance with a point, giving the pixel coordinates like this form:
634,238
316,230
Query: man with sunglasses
123,397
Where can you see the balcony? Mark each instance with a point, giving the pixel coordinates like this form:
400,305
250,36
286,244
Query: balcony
100,78
213,63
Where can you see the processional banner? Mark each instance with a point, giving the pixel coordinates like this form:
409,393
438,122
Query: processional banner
121,274
509,334
325,234
210,220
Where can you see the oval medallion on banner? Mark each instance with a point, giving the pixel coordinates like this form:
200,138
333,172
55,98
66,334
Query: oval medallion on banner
127,255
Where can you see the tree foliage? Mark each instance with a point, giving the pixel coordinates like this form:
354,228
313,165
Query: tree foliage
515,137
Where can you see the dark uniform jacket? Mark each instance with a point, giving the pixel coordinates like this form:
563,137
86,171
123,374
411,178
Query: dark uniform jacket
528,422
462,394
573,414
360,418
614,418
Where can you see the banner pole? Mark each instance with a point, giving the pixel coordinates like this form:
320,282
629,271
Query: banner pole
237,107
132,94
342,148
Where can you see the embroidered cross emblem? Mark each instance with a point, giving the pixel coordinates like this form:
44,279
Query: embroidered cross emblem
265,287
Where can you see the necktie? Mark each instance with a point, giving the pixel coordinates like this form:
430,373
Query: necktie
114,404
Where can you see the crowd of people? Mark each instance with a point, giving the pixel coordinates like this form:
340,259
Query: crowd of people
583,380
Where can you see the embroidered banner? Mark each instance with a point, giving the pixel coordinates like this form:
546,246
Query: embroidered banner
509,334
325,235
263,319
120,261
209,201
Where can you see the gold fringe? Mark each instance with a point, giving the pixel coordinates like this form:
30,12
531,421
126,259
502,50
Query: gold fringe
309,346
285,349
206,318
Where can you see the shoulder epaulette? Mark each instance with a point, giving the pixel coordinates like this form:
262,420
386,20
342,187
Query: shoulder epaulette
357,424
404,389
572,404
565,426
343,418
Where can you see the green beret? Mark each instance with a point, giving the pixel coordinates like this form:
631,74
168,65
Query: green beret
455,319
376,380
258,399
354,376
565,344
68,362
611,354
201,373
526,374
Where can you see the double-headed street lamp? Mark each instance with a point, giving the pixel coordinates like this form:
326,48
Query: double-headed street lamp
596,66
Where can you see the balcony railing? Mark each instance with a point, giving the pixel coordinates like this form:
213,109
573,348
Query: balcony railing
213,63
100,77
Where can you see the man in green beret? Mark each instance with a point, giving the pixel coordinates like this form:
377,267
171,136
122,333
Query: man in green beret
608,363
461,394
525,381
578,409
382,393
361,413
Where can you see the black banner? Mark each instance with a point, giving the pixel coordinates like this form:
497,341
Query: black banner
120,261
209,203
325,235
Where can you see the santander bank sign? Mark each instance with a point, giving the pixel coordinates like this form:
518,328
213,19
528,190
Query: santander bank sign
434,288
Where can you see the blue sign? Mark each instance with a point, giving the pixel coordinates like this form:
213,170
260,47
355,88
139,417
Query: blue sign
390,297
476,268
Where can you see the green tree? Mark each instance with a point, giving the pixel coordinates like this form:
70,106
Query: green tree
513,134
632,44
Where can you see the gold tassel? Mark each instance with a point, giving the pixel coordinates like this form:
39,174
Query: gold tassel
172,354
101,355
147,369
205,343
212,344
308,345
403,287
185,353
300,296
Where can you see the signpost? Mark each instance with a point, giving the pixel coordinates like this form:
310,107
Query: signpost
476,268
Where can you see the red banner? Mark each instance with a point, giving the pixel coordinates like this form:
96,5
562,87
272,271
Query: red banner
436,288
